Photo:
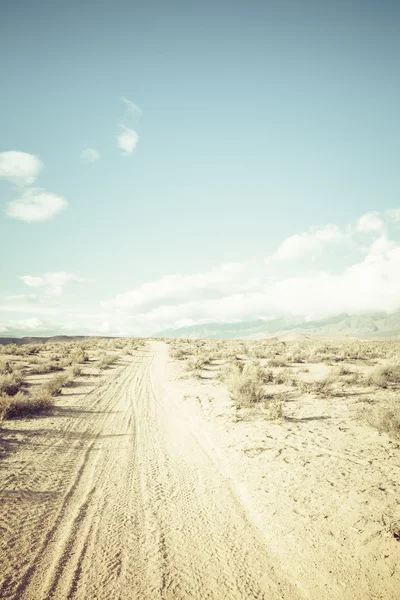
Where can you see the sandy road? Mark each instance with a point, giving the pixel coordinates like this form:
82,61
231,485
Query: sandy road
124,499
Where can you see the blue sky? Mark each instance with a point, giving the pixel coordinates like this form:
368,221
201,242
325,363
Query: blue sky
256,121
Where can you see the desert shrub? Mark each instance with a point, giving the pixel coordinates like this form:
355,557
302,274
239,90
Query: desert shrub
6,367
45,366
269,376
320,387
385,418
278,361
275,408
286,376
54,385
195,363
385,375
245,385
21,405
76,371
79,356
107,360
178,353
10,349
11,383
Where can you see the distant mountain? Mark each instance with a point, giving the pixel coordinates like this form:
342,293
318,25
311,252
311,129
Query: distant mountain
368,325
42,340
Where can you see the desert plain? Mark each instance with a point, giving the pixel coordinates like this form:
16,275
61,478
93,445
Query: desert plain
138,469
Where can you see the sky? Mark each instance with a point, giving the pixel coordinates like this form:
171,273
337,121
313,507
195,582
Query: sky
165,163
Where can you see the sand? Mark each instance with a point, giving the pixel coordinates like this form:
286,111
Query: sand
145,484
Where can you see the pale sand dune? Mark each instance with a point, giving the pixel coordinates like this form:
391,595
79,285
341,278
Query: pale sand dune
131,491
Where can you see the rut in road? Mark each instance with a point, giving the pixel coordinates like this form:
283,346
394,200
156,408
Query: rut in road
131,505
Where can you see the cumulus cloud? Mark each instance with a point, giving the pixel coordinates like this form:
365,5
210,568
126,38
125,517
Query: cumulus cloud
20,168
90,155
370,223
248,290
170,288
53,283
127,140
300,244
35,205
230,293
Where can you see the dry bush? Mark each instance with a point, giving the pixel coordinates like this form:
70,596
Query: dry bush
6,367
76,370
54,385
107,360
275,407
386,418
22,405
11,383
321,387
384,376
178,353
278,361
45,366
285,377
245,385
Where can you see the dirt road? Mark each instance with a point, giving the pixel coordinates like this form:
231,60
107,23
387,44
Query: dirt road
118,497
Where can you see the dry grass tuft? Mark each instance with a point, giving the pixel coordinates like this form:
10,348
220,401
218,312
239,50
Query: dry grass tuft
385,418
45,366
11,383
55,385
21,405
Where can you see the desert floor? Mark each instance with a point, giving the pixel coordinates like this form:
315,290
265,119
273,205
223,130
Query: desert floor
145,482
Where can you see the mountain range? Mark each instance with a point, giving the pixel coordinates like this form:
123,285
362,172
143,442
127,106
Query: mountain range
361,325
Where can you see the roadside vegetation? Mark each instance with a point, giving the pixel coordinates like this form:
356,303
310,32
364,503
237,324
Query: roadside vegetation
33,375
267,374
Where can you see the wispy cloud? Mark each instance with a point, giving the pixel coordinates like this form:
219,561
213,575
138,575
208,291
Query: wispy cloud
19,168
127,140
53,283
131,106
90,155
35,204
21,298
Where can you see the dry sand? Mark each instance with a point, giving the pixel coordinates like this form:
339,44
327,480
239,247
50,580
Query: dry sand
144,485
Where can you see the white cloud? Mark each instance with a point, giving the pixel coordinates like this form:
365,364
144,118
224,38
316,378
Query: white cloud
90,155
36,205
20,168
309,242
54,283
170,288
394,214
127,140
32,281
131,106
21,298
370,223
224,294
25,325
237,291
